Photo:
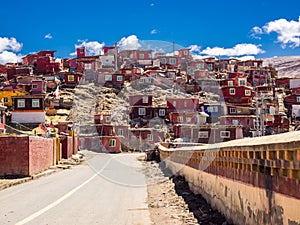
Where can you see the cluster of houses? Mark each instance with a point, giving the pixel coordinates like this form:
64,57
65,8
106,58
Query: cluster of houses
251,100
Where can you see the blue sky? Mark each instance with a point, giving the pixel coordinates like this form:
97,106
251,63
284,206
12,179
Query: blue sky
254,28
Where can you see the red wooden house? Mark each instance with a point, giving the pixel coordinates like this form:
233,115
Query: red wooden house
110,50
290,100
88,63
71,79
208,134
38,87
182,104
251,63
111,144
45,63
283,82
169,61
102,118
145,138
185,53
140,100
81,51
111,79
29,59
258,76
242,95
28,109
239,110
247,122
21,70
184,118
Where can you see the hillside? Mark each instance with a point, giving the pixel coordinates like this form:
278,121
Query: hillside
287,66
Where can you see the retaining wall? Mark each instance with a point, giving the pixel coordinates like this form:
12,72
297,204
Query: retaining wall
257,184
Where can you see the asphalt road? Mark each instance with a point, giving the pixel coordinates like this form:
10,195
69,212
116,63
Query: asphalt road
105,189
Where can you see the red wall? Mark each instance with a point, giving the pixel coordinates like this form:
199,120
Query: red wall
41,154
14,156
25,156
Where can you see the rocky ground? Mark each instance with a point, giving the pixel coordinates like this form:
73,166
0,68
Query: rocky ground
171,201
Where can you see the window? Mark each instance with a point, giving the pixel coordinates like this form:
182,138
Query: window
242,82
5,99
172,61
185,52
145,99
188,119
185,104
141,80
142,111
298,98
232,110
82,50
21,103
71,78
180,119
149,137
110,131
161,112
200,66
34,86
35,103
87,66
174,103
247,93
230,83
203,134
149,80
107,118
120,132
232,91
209,67
141,56
163,60
235,122
119,78
224,134
212,109
112,142
192,70
108,78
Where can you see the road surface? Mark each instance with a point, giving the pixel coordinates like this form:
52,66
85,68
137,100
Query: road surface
105,189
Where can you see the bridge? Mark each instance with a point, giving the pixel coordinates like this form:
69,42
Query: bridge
251,180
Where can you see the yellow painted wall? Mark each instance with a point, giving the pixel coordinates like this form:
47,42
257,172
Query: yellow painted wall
9,94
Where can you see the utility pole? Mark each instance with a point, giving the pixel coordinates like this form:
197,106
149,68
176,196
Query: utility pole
116,57
262,114
257,114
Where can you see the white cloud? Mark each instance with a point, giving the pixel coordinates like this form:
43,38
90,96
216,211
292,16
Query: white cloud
154,31
129,43
256,32
92,47
245,58
237,50
48,36
9,57
288,31
10,44
8,49
195,49
152,4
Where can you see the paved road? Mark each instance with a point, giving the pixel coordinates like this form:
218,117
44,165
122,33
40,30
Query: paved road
105,189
